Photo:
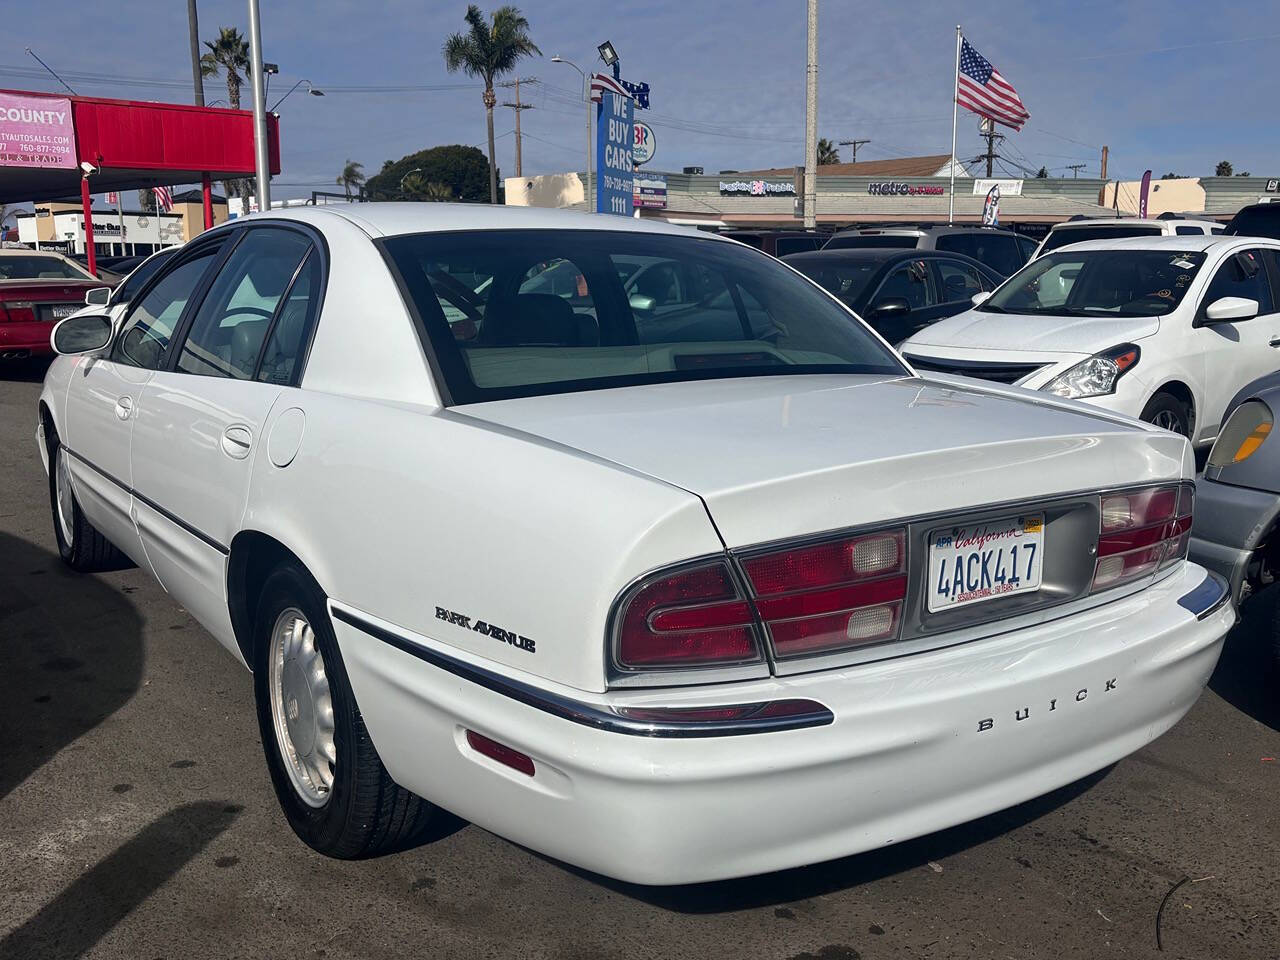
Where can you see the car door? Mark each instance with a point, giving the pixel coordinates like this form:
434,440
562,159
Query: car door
102,401
913,281
1237,351
200,416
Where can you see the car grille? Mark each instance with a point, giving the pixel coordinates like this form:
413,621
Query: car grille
982,370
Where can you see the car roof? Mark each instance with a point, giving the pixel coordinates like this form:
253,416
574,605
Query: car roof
1133,222
1195,243
920,229
395,219
874,253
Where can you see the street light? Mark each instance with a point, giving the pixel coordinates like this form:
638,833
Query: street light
314,91
586,93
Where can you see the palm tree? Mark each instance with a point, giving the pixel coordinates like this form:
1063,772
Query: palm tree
417,187
230,54
1224,169
827,152
489,50
352,175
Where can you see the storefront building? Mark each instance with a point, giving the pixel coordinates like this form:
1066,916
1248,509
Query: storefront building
59,225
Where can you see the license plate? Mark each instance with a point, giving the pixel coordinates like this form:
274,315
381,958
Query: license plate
983,561
60,311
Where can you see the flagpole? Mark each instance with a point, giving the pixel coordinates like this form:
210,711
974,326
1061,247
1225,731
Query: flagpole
955,100
120,216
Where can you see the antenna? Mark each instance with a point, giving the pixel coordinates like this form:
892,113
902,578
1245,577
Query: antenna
51,73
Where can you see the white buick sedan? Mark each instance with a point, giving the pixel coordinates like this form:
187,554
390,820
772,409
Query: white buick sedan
677,579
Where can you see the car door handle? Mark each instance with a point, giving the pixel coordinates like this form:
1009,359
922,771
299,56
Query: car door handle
1274,342
236,441
124,406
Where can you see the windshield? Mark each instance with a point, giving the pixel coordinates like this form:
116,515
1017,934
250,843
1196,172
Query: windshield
37,267
1115,283
852,241
527,312
1064,235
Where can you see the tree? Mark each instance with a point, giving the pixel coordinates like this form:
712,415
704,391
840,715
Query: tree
352,175
229,54
1042,173
417,187
827,152
1223,169
463,170
489,50
1173,176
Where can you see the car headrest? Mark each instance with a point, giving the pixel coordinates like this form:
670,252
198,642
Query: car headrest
537,319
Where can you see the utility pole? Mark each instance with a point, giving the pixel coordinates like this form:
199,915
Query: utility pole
193,29
988,128
1075,169
1105,150
854,145
811,123
518,107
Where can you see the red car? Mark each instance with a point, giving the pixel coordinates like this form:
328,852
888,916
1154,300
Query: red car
37,289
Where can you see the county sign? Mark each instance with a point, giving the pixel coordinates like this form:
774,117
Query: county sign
614,135
36,132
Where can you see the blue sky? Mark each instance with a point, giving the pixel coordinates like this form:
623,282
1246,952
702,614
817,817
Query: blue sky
1162,83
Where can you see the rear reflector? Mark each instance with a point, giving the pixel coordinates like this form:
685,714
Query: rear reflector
500,752
1142,531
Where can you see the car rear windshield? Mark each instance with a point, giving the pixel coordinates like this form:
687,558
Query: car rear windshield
1098,283
510,313
36,267
1061,237
846,280
1259,221
855,241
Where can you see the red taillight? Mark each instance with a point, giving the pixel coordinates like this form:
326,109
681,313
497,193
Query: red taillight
1142,531
18,311
692,617
507,756
833,595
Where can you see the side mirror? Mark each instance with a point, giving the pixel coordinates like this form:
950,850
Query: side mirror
891,307
639,301
78,335
98,296
980,298
1231,308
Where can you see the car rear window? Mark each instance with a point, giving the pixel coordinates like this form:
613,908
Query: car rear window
1061,236
862,241
511,313
36,267
1260,221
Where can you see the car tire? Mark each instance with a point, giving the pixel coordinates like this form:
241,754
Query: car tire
80,545
328,777
1167,411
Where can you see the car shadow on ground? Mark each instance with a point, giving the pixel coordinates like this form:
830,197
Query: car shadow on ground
97,900
28,370
1246,677
802,883
70,655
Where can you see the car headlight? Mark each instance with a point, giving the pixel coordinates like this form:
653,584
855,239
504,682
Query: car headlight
1245,431
1097,376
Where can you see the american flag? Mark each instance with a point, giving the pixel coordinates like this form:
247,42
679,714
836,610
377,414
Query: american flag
980,88
164,198
113,197
602,82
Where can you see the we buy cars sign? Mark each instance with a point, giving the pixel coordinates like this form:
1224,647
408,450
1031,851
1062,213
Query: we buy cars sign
36,131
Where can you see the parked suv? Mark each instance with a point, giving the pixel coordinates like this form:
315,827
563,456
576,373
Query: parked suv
1078,231
1256,220
1002,250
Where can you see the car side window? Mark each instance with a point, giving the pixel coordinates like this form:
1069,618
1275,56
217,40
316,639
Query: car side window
229,328
144,338
911,281
285,350
959,281
1241,275
958,243
136,280
1027,247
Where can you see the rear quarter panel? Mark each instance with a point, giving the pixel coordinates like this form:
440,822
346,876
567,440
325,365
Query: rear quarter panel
399,509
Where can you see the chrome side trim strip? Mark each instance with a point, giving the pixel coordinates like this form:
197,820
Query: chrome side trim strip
576,711
1207,597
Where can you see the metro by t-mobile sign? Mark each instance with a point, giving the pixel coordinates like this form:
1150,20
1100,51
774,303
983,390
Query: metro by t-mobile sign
615,132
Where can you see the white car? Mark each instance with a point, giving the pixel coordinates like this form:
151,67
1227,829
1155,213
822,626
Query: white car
1106,228
670,602
1165,329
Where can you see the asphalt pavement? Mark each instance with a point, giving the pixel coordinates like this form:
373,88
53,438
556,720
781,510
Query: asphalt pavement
137,821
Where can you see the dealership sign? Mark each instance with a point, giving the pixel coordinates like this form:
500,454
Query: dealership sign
893,188
1273,186
757,188
645,144
650,190
615,133
36,132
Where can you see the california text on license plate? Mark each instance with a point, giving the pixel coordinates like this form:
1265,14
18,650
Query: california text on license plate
983,561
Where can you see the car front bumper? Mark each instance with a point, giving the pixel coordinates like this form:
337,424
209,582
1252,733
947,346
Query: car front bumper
1230,522
917,743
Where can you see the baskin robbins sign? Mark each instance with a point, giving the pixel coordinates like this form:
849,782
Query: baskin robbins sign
757,188
36,132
